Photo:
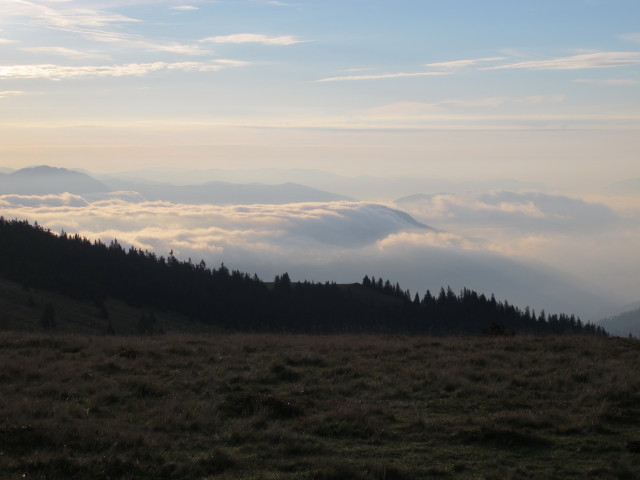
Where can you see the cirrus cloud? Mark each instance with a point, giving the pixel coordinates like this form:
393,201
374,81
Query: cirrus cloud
382,76
184,8
61,17
253,38
65,52
457,64
63,72
576,62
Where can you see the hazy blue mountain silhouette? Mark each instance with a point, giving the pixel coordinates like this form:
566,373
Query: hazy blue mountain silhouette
43,180
225,193
624,323
361,186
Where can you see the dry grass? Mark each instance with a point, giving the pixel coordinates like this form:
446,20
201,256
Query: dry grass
22,309
332,407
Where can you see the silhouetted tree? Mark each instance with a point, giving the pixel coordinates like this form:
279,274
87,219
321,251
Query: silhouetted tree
77,267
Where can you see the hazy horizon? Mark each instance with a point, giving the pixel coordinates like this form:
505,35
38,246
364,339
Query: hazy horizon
538,248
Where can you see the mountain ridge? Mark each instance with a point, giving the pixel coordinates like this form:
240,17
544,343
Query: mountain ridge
46,180
236,301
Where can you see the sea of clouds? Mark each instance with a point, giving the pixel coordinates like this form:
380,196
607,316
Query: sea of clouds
547,251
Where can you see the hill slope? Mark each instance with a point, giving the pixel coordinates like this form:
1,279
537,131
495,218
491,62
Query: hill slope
627,323
78,268
23,310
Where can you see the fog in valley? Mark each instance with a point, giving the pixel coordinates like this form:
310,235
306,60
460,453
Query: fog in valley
530,245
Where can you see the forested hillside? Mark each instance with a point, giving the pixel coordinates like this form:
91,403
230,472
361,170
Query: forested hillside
80,268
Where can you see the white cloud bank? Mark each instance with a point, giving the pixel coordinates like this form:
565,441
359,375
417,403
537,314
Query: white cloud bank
526,211
338,241
591,240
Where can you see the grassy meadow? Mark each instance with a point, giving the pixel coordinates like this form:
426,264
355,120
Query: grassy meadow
318,407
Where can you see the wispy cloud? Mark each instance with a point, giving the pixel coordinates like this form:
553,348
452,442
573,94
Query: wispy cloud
381,76
416,109
615,82
61,17
485,102
457,64
93,25
631,37
65,52
538,99
576,62
276,3
440,68
61,72
6,40
184,8
254,38
8,93
131,41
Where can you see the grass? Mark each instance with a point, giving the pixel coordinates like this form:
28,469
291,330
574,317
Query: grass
326,407
22,309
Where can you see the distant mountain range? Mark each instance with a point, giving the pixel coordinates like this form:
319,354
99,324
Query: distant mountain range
362,186
223,193
44,180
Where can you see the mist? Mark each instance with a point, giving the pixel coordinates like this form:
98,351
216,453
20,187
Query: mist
547,251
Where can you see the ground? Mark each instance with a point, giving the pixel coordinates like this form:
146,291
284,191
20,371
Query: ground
318,407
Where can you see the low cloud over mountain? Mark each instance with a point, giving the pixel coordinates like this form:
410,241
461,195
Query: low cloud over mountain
338,241
589,239
44,180
529,211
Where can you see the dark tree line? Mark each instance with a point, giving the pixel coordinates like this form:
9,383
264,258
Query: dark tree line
79,268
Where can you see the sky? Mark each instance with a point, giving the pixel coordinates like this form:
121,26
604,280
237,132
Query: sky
540,98
541,90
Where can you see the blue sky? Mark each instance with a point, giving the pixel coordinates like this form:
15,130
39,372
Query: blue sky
535,90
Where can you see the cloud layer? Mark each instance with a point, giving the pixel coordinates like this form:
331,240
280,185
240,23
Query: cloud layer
527,211
338,241
591,240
